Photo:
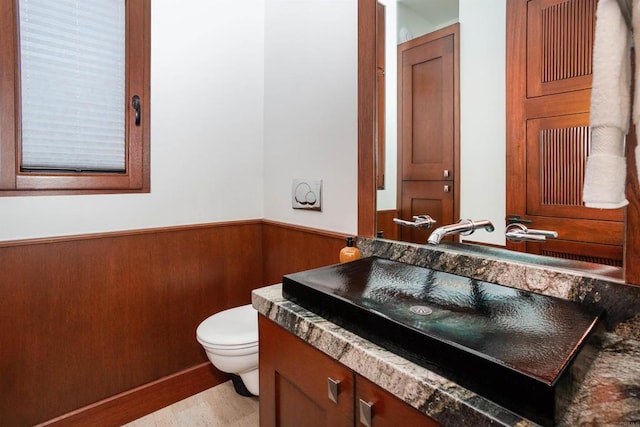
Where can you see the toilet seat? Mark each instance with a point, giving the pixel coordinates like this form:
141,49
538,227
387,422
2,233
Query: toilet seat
232,329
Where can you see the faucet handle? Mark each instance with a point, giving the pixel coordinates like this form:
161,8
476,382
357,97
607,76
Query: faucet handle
520,233
419,221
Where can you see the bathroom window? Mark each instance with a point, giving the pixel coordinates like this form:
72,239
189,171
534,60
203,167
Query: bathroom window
74,97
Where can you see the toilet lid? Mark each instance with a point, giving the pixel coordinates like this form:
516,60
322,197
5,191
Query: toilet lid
233,327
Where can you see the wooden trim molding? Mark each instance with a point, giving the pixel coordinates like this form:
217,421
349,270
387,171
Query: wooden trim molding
304,229
124,233
366,117
140,401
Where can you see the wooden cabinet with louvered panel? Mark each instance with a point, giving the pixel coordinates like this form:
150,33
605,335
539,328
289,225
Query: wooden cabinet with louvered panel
549,73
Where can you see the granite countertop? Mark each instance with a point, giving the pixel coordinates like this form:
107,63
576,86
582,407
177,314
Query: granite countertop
608,396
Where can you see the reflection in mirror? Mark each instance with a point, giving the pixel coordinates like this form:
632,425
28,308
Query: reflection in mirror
480,190
482,129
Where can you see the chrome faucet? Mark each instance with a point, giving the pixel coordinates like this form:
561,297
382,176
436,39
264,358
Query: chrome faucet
517,232
422,222
463,227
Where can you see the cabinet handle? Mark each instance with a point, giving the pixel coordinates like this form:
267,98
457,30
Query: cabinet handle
446,188
333,388
366,413
446,173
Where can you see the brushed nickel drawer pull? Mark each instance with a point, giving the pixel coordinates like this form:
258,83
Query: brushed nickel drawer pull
366,413
333,388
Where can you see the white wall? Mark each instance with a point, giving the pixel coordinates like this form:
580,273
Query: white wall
482,115
213,157
311,109
411,24
207,80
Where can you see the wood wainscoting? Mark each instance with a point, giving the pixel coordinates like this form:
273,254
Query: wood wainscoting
102,327
385,224
288,248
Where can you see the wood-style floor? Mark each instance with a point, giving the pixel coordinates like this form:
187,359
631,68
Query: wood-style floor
219,406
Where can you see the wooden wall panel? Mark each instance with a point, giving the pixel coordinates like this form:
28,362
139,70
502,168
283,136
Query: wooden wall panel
101,328
83,319
288,249
385,224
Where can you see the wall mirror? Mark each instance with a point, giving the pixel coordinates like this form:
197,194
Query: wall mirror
369,197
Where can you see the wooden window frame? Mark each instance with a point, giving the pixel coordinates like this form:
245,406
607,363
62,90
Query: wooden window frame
136,178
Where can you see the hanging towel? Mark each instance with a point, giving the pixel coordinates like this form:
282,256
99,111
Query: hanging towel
636,99
606,170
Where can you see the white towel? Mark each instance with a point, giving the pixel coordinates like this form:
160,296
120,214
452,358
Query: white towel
606,170
635,21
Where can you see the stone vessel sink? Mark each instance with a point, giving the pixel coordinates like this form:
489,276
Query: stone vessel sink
522,350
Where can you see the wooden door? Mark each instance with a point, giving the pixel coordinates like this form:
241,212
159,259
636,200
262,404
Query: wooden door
425,197
426,104
549,63
428,129
293,382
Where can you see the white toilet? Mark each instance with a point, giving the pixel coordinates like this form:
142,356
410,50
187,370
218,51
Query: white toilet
230,339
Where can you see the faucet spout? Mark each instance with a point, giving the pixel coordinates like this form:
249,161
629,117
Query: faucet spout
463,227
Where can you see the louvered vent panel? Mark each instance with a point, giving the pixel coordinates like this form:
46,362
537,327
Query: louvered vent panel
594,259
563,155
567,39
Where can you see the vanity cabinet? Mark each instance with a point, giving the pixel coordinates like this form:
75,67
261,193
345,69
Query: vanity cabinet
301,386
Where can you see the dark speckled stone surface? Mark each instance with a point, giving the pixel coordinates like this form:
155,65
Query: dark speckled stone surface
609,394
593,286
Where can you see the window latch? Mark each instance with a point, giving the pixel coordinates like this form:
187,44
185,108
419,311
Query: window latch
135,103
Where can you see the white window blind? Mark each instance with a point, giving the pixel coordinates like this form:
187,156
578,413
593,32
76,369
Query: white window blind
72,59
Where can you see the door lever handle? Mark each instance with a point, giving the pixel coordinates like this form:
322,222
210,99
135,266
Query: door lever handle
135,103
422,222
520,233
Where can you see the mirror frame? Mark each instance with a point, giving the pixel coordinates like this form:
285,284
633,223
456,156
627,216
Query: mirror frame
366,117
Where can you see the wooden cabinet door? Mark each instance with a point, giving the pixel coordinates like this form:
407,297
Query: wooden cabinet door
560,36
386,409
293,382
549,70
557,149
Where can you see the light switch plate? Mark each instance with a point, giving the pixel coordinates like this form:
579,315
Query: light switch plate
306,193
